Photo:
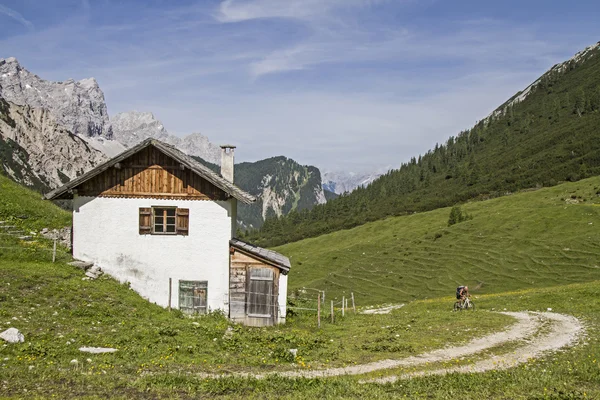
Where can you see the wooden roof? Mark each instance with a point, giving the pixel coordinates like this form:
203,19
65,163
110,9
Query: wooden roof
186,161
269,256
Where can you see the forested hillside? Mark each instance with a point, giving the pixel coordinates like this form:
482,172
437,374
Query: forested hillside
547,134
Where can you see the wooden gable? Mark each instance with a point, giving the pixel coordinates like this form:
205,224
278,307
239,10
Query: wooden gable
150,173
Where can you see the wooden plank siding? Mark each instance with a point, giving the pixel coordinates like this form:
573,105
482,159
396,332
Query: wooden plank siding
239,274
150,173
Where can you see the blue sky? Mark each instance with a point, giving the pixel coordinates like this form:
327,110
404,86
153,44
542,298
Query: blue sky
341,84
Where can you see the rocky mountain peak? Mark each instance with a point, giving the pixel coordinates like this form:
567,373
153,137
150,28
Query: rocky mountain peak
132,127
79,106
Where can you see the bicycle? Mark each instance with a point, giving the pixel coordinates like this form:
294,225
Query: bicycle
465,304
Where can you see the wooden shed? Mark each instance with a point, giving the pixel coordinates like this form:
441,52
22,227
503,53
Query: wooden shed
258,284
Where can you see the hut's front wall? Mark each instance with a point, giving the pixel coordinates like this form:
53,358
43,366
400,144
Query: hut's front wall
106,232
257,291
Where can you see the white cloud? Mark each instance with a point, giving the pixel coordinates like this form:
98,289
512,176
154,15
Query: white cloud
244,10
16,16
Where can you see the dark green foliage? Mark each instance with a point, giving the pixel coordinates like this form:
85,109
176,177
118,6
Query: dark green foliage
456,216
551,136
4,107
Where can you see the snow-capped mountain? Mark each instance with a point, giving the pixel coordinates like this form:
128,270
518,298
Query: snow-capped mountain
130,128
76,105
340,181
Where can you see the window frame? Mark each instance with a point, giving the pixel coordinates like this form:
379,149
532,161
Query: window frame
186,285
164,223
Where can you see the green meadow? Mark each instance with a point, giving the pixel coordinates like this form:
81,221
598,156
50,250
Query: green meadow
532,239
526,251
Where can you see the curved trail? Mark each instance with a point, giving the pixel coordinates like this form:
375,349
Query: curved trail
563,331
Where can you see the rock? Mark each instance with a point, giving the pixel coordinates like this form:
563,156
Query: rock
84,265
91,275
78,106
97,350
12,335
133,127
228,333
95,269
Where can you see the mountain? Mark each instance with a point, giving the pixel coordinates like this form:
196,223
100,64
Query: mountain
131,128
344,182
281,186
38,152
541,136
51,132
78,106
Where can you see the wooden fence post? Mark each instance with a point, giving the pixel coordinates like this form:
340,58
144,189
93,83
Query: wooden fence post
54,252
332,312
353,305
170,286
343,302
319,310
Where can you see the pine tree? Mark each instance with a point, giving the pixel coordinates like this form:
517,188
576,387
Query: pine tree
579,105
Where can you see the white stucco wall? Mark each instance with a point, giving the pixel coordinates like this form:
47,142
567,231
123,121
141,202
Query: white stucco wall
282,298
106,231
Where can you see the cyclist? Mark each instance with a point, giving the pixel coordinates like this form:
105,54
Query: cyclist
462,292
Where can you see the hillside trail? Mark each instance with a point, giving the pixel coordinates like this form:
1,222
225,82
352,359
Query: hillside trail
541,331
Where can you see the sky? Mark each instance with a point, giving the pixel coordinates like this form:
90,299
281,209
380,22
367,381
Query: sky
347,85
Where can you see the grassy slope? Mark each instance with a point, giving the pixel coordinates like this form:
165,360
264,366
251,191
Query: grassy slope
531,239
17,201
159,351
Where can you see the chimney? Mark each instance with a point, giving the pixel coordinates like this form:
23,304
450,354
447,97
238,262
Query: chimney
227,162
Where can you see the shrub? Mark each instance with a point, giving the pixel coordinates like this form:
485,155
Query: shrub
456,216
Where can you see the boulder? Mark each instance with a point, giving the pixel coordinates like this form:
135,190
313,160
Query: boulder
12,335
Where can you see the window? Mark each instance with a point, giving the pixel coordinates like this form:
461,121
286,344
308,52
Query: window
164,221
192,297
260,299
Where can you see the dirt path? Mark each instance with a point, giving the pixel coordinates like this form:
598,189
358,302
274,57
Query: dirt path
563,330
383,310
560,331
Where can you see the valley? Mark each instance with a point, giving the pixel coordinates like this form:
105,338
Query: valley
509,207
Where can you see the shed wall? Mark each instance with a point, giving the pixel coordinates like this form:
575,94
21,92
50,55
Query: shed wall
240,264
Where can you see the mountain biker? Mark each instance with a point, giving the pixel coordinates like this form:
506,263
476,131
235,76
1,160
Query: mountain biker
462,292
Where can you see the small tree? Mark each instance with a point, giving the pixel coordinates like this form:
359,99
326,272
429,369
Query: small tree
456,216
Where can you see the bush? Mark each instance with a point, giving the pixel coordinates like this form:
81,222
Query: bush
456,216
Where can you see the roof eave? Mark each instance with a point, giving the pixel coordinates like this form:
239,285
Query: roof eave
233,191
